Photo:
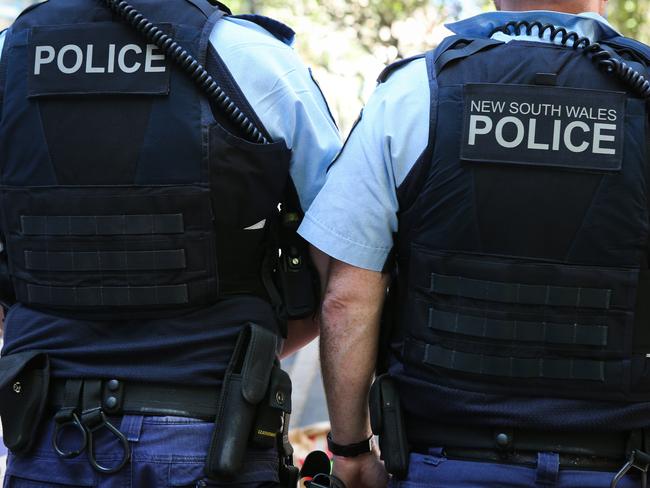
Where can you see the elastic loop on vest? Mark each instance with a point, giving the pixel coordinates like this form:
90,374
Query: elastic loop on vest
101,225
94,296
558,296
105,260
518,330
507,367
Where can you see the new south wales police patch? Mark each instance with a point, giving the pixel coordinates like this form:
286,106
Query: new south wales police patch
543,126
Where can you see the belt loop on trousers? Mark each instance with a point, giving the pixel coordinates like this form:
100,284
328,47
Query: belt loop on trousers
548,468
131,427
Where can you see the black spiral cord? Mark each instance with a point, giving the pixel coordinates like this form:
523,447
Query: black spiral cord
605,60
188,63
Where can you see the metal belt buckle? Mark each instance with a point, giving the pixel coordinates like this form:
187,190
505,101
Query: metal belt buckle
637,460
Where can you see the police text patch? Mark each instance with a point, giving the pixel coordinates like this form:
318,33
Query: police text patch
98,58
543,126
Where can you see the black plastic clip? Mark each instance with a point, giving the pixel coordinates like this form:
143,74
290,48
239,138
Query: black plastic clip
94,420
67,417
637,460
64,418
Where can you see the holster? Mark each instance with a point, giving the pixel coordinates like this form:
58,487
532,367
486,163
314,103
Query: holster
245,386
297,279
24,383
387,422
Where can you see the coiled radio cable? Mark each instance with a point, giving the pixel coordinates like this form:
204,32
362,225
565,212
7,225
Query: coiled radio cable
190,65
638,83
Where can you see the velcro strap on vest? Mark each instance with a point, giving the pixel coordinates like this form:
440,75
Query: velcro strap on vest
509,367
558,296
107,296
518,330
105,260
101,225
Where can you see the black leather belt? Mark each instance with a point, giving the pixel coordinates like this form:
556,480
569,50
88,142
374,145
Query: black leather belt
120,397
582,450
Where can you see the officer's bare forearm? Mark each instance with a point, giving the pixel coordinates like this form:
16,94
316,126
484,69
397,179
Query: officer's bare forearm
300,333
349,341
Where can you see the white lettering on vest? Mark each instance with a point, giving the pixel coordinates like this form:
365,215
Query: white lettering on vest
474,130
79,59
89,61
150,57
128,59
568,132
122,56
599,138
40,60
520,132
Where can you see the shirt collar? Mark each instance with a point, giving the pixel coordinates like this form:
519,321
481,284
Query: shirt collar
588,24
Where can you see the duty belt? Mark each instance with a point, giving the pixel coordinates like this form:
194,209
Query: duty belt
577,450
119,397
85,406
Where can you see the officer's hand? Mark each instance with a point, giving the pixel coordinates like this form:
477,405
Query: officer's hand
364,471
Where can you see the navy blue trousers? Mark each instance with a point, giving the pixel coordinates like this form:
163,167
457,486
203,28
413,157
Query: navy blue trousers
166,452
436,471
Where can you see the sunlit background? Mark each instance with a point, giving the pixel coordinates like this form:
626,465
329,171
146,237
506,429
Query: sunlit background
347,44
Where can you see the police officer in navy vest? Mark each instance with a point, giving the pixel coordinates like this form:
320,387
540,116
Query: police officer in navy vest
145,148
498,186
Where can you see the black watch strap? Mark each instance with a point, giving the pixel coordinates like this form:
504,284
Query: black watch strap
350,450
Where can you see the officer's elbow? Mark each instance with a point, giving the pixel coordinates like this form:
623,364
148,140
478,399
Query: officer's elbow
335,309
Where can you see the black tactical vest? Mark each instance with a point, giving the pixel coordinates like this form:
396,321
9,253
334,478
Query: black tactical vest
121,189
523,230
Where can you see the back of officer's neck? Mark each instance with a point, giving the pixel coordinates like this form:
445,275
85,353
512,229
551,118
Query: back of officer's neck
566,6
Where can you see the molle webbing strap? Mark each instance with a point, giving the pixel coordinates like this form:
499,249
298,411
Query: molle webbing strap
101,225
105,260
508,367
518,330
524,294
107,296
472,48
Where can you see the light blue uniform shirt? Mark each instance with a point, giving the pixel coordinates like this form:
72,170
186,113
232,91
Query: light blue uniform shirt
354,217
282,93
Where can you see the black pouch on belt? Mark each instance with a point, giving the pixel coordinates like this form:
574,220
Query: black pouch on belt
272,410
245,385
387,421
24,382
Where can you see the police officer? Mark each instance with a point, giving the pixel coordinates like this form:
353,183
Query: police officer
498,186
140,221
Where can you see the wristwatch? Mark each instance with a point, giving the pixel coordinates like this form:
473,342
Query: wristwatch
350,450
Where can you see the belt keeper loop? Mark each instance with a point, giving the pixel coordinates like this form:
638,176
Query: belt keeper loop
112,396
635,441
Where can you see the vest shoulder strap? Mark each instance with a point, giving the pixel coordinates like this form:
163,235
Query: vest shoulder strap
391,68
622,42
218,69
4,61
280,31
457,47
206,7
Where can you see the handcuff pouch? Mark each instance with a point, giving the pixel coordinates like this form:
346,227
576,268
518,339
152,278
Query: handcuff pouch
24,383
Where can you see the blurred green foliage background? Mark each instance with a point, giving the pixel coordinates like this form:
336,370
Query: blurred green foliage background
348,43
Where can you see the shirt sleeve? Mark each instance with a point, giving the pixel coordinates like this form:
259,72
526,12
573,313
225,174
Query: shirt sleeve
3,34
354,217
281,90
